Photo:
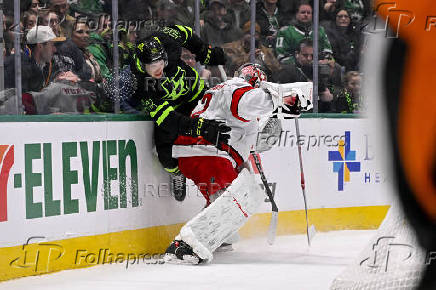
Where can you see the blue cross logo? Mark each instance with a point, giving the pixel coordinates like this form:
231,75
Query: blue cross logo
343,161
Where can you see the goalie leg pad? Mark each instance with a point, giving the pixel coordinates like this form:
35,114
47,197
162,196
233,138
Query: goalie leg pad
224,217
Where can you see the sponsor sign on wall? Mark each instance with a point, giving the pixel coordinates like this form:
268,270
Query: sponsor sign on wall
64,179
341,166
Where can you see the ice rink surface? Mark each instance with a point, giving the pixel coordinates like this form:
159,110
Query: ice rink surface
288,264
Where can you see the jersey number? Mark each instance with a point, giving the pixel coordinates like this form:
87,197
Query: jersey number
204,101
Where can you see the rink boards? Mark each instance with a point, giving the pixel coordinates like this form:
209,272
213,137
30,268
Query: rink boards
77,191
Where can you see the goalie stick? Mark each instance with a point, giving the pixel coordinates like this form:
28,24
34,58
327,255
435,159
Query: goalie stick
310,231
275,211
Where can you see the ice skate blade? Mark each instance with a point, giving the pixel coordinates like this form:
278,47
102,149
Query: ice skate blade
223,249
187,259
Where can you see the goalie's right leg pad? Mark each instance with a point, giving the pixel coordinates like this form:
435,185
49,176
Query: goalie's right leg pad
224,217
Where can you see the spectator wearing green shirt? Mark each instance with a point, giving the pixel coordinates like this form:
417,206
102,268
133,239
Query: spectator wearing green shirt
289,37
101,47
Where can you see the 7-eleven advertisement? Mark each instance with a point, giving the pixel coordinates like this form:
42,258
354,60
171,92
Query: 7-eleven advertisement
68,179
62,180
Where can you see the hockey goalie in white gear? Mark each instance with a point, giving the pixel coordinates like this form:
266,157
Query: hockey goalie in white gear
218,169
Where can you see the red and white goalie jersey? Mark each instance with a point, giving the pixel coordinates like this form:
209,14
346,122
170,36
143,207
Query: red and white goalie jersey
240,106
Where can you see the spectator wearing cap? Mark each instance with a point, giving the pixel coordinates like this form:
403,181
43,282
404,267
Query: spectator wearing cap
218,25
37,69
289,37
238,52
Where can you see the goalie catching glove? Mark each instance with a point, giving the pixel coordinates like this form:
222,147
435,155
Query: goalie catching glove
290,99
213,131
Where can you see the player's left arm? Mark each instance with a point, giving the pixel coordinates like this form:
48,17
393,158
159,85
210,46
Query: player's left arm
205,54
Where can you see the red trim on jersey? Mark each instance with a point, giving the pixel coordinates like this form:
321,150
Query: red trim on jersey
236,97
188,141
232,152
206,101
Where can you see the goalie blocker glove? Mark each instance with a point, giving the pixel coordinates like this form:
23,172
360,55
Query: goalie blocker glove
212,131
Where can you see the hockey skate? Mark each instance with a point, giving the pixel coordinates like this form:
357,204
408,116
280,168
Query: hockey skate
225,247
178,186
180,252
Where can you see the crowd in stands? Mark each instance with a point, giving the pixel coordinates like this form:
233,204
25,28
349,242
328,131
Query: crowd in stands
69,44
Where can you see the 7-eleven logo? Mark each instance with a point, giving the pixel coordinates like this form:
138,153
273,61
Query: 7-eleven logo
6,162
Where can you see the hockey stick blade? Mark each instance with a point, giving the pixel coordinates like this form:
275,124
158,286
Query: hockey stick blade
274,215
311,233
273,227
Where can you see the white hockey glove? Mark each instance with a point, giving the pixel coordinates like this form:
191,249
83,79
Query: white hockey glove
274,90
290,99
